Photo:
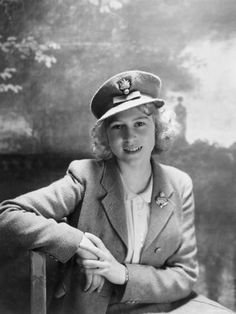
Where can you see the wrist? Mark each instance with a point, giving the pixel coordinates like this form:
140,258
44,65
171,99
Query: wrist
126,277
82,238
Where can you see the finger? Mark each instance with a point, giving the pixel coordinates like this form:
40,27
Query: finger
94,285
89,279
95,271
102,281
97,241
94,250
89,263
83,253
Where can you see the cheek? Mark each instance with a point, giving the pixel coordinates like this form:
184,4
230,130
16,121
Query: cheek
113,140
149,134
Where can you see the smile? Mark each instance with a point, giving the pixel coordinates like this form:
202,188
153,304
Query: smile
132,149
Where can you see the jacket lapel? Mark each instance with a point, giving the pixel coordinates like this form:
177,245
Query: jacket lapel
114,205
159,213
113,200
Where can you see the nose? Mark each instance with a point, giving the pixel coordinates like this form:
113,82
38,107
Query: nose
128,133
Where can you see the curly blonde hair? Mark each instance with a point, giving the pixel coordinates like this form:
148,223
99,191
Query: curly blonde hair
166,128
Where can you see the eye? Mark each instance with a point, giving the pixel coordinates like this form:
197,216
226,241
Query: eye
115,126
139,123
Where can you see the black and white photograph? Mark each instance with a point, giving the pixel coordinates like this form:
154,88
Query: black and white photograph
117,156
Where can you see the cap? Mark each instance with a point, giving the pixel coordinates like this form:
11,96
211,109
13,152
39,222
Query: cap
124,91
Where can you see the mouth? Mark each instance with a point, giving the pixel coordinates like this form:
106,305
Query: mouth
131,150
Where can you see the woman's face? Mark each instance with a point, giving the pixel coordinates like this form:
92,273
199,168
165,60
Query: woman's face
131,136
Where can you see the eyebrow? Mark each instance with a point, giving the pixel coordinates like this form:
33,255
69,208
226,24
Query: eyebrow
135,119
143,117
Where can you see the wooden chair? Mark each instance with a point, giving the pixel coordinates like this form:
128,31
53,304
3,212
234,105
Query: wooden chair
38,282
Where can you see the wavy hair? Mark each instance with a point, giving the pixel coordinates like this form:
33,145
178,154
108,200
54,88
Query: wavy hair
166,127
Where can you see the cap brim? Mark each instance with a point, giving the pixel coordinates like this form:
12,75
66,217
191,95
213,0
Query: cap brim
131,104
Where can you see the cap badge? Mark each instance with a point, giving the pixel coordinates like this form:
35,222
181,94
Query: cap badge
161,200
124,86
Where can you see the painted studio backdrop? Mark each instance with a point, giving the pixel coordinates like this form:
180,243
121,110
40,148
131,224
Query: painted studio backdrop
54,55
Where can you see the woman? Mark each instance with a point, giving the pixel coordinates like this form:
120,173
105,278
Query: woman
128,245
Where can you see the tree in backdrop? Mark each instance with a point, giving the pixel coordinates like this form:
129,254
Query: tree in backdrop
19,45
28,50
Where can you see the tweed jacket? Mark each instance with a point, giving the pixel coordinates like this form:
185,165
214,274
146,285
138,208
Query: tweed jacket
90,198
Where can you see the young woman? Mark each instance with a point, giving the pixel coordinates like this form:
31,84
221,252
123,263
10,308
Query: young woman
128,245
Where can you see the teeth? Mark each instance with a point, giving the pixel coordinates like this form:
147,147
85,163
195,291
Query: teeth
135,149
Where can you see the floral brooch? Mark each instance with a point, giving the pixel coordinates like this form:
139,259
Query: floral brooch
161,200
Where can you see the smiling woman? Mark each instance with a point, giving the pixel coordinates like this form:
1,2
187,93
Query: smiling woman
131,135
129,236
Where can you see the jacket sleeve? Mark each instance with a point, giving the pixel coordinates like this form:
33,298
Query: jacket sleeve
35,220
176,278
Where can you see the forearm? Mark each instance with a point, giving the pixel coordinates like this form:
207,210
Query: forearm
34,220
147,284
30,231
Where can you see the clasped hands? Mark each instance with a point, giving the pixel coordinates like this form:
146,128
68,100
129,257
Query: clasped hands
98,264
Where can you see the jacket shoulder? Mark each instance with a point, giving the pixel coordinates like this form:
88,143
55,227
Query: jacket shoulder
177,177
85,168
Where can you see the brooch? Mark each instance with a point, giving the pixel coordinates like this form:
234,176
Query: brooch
124,86
161,200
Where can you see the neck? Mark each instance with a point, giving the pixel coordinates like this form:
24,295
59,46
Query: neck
136,176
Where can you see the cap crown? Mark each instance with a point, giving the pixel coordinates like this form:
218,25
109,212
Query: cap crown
117,89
